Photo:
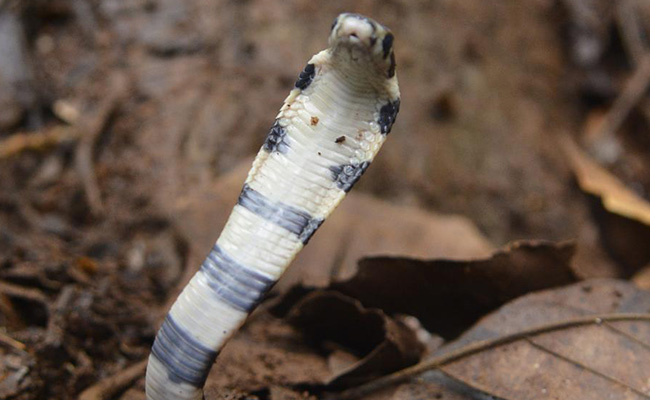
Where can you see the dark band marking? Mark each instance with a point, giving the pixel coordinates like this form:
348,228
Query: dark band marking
387,115
186,359
288,217
310,229
239,286
387,44
347,175
244,274
336,21
306,76
391,68
277,139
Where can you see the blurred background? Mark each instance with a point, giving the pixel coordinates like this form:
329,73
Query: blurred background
126,127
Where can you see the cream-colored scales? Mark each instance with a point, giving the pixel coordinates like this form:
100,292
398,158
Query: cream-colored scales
327,132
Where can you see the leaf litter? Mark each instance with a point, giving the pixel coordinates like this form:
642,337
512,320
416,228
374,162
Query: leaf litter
358,337
380,343
83,291
447,296
622,215
588,340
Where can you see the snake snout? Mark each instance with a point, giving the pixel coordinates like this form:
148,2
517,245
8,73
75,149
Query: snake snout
362,41
354,29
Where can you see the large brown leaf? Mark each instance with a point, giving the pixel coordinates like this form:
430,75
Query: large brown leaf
381,344
447,296
623,216
583,357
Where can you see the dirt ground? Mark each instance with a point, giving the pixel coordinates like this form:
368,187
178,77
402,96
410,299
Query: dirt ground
127,127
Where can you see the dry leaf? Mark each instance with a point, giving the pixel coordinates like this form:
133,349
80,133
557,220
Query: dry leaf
587,360
642,278
448,296
623,216
611,360
597,181
381,344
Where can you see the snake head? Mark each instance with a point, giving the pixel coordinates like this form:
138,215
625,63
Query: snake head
361,39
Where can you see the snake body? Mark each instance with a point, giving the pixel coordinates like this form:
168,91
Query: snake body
325,136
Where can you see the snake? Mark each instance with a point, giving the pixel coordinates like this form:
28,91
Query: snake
329,129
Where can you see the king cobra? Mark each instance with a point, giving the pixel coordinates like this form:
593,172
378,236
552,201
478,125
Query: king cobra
328,131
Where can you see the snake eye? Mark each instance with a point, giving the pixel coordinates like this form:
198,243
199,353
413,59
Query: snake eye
387,44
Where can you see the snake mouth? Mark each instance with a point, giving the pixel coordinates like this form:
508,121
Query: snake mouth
354,30
363,40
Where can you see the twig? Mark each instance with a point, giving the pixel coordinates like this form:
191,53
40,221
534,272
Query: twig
108,387
16,65
20,142
25,293
614,329
633,38
628,23
11,385
83,11
91,128
478,347
56,323
8,340
632,93
87,131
